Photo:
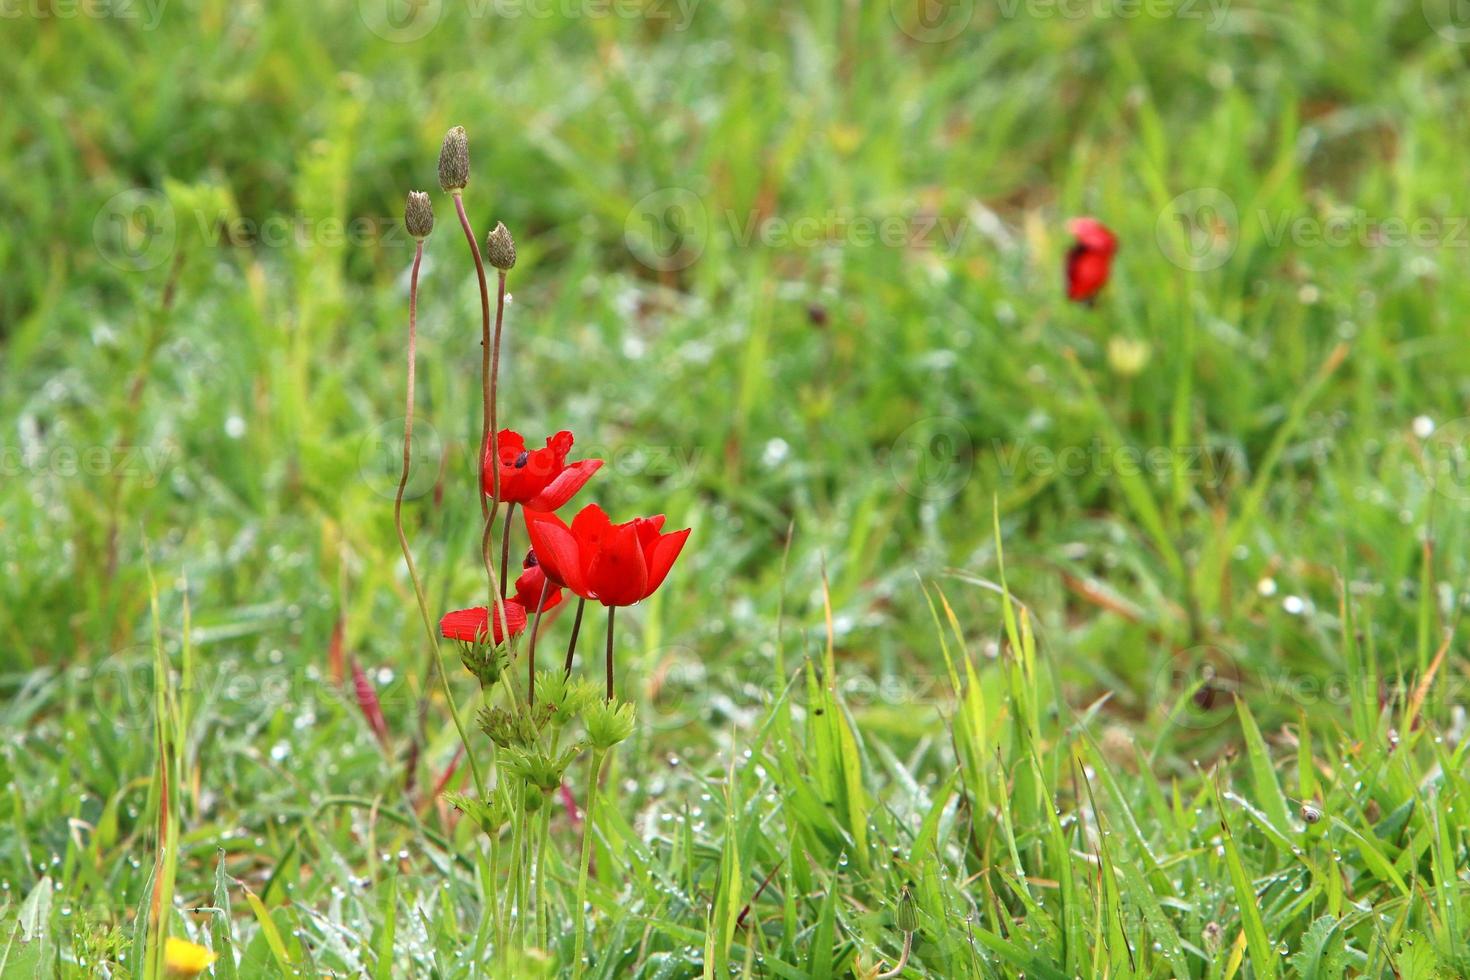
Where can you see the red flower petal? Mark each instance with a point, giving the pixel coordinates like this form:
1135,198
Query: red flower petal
509,441
529,592
648,528
1093,235
560,444
565,486
469,625
618,573
665,551
556,550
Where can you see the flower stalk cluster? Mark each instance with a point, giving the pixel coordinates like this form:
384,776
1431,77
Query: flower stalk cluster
537,738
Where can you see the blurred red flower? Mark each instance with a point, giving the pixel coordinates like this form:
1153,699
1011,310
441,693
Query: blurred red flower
616,564
469,625
1090,259
537,478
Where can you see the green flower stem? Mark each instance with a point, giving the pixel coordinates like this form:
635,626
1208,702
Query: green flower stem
586,863
531,651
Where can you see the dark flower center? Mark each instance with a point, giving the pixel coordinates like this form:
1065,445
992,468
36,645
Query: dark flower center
531,560
521,460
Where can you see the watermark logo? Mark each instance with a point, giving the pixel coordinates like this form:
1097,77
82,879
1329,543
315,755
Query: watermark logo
1197,687
1446,459
1198,230
380,458
933,458
932,21
400,21
135,230
1449,18
668,229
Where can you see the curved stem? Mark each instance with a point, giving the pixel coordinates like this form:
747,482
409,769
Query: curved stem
489,368
418,587
469,234
597,760
610,611
531,652
908,947
576,628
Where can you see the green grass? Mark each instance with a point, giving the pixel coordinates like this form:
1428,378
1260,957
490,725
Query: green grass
841,691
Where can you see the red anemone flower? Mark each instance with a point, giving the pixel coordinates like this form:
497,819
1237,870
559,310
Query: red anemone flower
616,564
529,586
470,625
1090,259
537,478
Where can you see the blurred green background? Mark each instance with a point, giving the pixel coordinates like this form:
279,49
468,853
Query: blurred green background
785,269
795,272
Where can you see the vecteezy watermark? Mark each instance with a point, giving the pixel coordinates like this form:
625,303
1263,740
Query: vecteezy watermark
1206,466
669,229
400,21
380,458
1449,18
1445,457
1200,229
1356,228
403,21
138,230
933,458
135,230
1197,687
848,228
1211,12
147,13
932,21
145,464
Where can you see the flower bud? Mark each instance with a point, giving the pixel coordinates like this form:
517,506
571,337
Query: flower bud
906,913
454,160
608,723
418,215
484,661
536,768
507,729
561,697
489,814
500,248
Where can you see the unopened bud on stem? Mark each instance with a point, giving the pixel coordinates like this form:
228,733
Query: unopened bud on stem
500,248
454,160
418,215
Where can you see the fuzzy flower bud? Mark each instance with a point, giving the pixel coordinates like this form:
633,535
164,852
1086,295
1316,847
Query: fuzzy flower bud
489,814
506,729
500,248
484,661
906,913
454,160
418,215
608,723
